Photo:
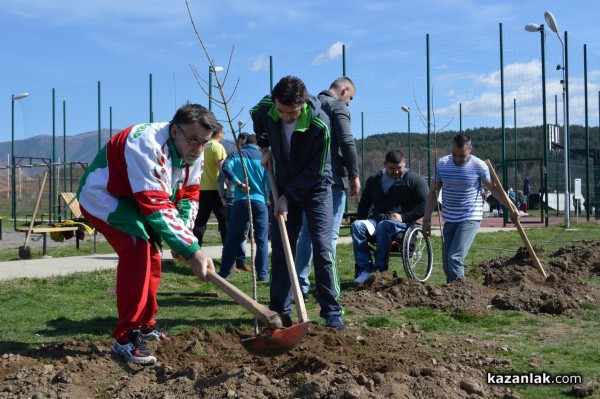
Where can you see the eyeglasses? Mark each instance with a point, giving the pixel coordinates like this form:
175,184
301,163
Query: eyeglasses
192,142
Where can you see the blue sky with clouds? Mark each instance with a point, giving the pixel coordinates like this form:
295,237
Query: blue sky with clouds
65,43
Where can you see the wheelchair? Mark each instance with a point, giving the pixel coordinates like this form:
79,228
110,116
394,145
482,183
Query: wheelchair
413,249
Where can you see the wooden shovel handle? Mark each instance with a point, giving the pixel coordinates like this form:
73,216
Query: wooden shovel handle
35,210
530,250
262,313
298,297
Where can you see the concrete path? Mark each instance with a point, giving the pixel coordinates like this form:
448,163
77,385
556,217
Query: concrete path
47,267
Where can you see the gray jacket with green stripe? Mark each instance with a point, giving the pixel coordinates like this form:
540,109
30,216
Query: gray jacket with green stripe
310,158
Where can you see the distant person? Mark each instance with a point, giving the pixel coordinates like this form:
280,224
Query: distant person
226,192
392,200
527,189
521,202
344,163
460,176
577,204
512,195
292,124
210,200
141,189
258,186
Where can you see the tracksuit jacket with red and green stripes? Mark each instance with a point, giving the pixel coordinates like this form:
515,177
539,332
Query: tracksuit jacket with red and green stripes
138,184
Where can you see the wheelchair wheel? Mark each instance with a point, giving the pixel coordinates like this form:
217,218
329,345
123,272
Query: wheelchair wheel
417,254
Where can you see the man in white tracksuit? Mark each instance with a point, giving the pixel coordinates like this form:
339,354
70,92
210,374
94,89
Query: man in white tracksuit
141,189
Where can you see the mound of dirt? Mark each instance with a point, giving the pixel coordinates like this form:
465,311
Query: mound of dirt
386,291
510,283
374,363
363,362
521,286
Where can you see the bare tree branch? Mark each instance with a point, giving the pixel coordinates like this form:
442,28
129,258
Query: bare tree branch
223,103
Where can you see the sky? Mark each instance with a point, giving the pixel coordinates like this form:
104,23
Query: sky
72,44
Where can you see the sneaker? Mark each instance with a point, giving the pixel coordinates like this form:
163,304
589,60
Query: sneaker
335,322
154,332
362,277
135,350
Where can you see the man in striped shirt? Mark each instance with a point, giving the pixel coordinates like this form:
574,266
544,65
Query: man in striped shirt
463,177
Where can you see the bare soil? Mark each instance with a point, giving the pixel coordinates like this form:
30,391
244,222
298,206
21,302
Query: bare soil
363,362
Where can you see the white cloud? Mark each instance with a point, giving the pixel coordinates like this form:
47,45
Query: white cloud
523,72
260,63
333,52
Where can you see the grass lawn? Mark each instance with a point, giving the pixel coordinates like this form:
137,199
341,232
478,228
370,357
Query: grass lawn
36,311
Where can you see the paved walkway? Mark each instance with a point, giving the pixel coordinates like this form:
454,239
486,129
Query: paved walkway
47,267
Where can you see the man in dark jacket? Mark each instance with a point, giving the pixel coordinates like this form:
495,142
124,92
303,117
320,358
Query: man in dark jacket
292,124
392,199
344,163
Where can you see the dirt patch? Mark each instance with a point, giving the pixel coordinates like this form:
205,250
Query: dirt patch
364,362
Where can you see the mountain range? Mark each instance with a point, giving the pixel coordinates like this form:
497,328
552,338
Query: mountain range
80,148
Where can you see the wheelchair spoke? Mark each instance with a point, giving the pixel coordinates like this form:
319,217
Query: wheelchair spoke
417,254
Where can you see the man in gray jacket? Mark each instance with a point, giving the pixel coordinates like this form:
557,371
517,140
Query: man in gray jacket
344,163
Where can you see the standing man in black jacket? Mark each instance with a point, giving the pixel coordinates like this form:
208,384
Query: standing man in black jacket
292,124
392,199
344,163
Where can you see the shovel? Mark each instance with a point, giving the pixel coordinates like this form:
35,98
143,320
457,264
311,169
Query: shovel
25,251
298,298
279,340
530,249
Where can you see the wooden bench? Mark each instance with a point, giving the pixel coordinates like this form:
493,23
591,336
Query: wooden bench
72,203
43,231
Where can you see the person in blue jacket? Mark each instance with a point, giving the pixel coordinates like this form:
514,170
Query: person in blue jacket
226,190
293,134
258,186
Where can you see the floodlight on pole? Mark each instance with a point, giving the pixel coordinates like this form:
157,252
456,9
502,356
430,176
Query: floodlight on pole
407,110
12,154
211,69
20,96
553,25
540,28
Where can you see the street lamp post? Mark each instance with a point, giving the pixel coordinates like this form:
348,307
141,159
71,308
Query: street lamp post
516,143
211,70
407,110
12,154
551,21
540,28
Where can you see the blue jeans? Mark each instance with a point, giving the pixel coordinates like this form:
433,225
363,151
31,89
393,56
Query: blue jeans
384,232
317,207
458,238
236,233
304,247
240,259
